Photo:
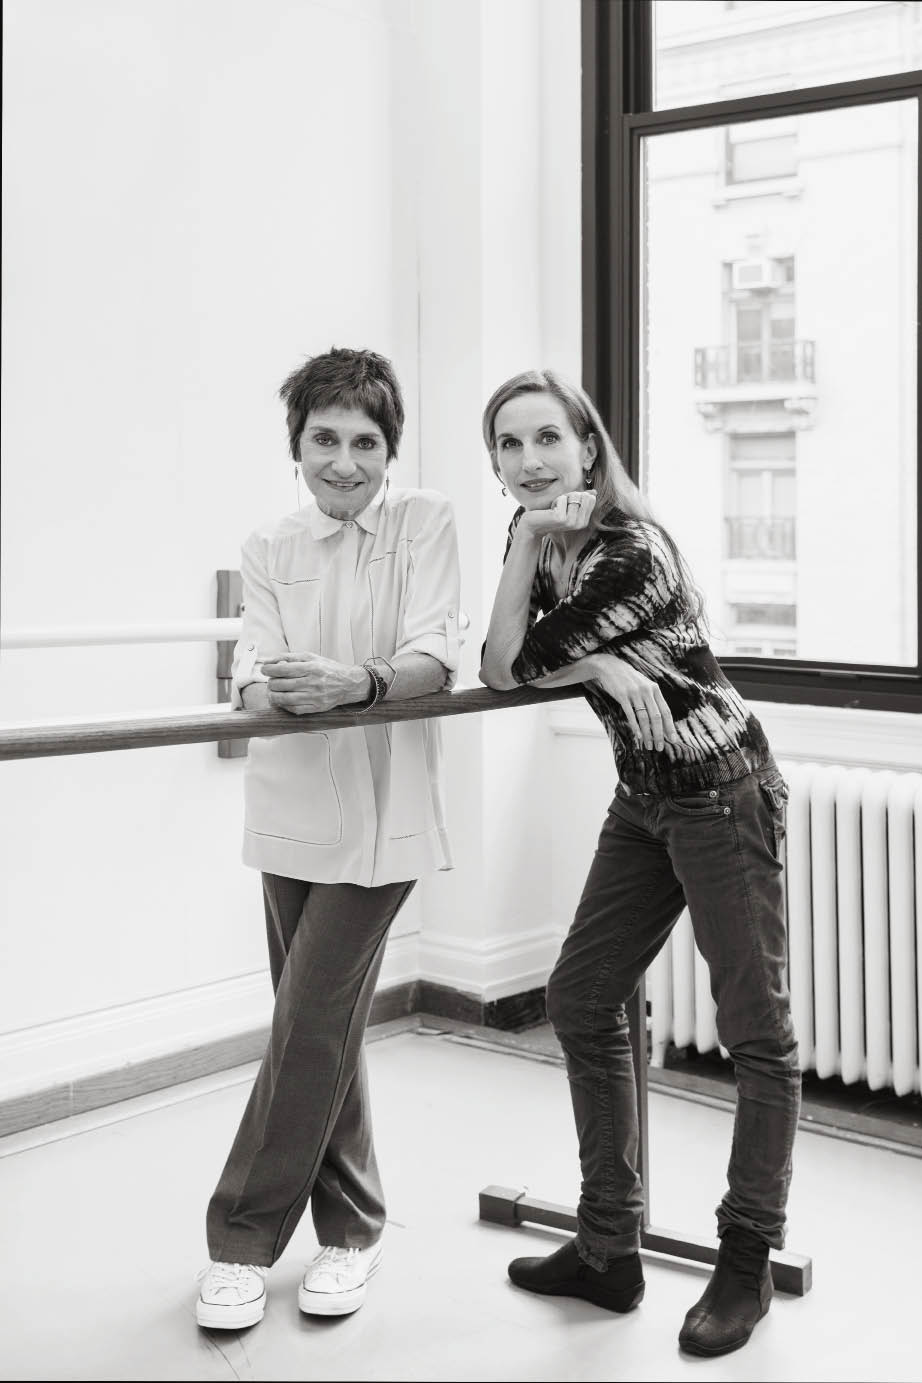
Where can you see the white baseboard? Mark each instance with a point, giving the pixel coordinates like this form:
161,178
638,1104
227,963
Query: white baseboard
401,961
490,969
55,1070
52,1054
89,1044
119,1046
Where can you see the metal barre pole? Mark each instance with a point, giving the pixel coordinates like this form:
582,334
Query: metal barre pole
216,630
88,635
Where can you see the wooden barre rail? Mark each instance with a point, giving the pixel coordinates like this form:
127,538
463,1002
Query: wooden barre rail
151,732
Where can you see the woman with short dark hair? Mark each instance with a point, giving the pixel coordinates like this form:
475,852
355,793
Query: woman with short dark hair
351,600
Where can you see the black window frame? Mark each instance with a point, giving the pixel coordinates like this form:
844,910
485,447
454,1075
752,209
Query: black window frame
617,113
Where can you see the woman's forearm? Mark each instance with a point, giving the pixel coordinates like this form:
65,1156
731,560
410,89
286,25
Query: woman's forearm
255,696
509,618
583,670
417,674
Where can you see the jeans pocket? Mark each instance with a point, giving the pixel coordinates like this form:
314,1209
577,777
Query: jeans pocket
703,802
775,792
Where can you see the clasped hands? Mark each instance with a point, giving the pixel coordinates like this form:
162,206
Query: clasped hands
304,683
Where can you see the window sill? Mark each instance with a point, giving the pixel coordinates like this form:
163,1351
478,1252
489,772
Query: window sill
760,187
820,734
796,394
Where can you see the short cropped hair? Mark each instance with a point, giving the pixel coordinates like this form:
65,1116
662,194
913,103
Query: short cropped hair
345,378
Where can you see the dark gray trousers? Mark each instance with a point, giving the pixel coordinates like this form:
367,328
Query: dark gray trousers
306,1130
718,851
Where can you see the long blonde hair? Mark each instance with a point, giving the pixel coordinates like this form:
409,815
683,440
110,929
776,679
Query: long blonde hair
617,497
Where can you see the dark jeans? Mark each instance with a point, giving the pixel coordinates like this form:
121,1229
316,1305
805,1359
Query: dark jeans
306,1130
718,851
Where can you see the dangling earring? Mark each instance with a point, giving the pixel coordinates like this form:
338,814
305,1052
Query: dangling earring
505,491
589,472
297,486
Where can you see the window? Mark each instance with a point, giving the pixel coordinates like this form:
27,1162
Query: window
752,336
763,149
764,614
701,49
761,510
761,630
762,318
789,354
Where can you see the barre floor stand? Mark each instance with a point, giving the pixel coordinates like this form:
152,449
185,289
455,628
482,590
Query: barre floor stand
500,1205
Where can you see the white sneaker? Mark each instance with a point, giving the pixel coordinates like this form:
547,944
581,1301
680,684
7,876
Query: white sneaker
233,1295
334,1282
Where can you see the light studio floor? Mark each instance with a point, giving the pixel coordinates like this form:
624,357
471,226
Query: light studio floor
103,1234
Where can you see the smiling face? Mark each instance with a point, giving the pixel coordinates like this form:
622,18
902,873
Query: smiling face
343,456
540,456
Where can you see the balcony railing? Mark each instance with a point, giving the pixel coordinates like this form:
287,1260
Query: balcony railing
780,362
761,539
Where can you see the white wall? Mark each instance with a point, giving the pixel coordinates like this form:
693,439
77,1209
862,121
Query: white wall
499,279
191,207
196,197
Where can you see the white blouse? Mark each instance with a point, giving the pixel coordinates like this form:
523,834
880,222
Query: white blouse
363,805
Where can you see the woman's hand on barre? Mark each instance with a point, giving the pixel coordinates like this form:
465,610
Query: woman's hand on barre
305,683
641,700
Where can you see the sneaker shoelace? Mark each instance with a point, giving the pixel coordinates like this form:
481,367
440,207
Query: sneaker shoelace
334,1260
230,1274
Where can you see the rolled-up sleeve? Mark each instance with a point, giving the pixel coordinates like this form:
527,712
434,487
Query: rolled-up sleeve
626,586
262,635
431,609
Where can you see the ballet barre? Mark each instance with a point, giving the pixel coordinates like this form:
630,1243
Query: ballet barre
791,1272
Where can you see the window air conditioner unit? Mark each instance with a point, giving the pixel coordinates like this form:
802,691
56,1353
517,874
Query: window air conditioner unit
755,273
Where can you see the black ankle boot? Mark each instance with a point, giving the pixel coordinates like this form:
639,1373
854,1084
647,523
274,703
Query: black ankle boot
564,1274
734,1301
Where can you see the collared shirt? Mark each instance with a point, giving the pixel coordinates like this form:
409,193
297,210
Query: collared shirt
361,805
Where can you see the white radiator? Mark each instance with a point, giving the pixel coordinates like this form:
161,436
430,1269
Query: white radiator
854,913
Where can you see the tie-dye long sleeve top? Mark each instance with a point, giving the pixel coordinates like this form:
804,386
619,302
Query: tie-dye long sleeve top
624,596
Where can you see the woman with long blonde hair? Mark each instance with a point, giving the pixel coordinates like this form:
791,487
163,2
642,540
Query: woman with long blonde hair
594,591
